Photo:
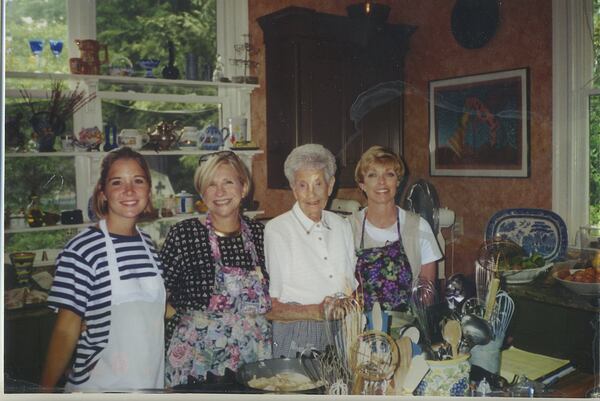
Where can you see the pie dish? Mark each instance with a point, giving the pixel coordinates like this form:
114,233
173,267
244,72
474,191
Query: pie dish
535,230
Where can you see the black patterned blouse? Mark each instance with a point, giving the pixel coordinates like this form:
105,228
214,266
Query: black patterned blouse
189,265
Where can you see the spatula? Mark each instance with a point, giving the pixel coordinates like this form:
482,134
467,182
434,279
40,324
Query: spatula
377,317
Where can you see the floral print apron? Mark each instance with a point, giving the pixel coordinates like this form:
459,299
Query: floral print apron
384,273
232,330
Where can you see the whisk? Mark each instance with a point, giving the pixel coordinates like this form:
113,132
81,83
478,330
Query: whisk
344,323
374,359
423,295
502,313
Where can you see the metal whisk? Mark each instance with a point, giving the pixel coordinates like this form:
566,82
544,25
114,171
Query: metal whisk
423,295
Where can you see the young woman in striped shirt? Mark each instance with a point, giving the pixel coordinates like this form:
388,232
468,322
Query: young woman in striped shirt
108,291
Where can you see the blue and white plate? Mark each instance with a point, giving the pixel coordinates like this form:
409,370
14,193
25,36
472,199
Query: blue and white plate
535,230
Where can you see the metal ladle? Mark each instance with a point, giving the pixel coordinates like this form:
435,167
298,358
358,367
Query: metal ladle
475,331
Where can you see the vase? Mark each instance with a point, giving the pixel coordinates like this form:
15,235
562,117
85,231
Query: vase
46,129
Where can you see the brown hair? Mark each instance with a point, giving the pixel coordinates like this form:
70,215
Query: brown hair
209,164
99,205
378,155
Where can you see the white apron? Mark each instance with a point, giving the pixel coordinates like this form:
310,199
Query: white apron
134,356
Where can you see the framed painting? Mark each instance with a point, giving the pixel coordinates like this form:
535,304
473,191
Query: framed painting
479,125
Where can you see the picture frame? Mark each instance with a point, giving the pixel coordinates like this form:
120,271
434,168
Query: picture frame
479,125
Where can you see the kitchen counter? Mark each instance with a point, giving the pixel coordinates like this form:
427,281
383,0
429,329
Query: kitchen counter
551,320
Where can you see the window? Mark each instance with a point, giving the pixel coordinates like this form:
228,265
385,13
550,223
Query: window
576,113
132,31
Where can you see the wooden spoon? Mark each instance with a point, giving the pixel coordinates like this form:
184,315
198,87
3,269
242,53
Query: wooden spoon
376,317
452,334
405,351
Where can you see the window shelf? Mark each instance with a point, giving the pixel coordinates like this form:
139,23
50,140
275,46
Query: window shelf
126,80
175,218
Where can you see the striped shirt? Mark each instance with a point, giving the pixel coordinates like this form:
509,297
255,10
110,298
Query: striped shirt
82,285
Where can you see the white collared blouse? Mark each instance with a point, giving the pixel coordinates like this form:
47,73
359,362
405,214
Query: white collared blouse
308,260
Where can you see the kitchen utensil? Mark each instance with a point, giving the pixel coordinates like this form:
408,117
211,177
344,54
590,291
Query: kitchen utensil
502,314
458,290
452,334
422,297
344,321
404,345
374,358
491,298
418,370
473,306
475,331
377,318
482,280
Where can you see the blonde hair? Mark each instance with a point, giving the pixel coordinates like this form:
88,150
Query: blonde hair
378,155
99,205
206,170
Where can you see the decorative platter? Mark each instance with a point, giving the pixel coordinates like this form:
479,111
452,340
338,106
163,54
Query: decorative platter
535,230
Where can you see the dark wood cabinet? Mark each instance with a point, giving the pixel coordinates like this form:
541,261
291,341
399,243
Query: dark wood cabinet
316,66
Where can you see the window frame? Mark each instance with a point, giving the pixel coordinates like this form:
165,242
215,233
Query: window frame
232,23
572,72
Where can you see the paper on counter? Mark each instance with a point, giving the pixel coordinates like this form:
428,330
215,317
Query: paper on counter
515,361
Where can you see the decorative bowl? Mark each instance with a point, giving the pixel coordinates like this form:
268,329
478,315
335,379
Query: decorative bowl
524,276
148,65
583,289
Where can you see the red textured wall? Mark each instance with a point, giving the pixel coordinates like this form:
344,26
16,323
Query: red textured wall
523,39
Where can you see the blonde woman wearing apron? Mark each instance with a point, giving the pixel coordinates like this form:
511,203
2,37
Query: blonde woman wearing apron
394,247
109,291
215,278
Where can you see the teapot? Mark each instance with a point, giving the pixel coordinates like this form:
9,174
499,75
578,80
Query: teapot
89,61
213,138
164,135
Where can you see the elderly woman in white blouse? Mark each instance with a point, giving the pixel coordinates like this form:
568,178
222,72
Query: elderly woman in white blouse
309,254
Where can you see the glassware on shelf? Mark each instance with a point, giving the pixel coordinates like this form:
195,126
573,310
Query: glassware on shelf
36,46
148,65
34,215
56,47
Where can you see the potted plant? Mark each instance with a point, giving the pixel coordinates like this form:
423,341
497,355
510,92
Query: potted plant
48,119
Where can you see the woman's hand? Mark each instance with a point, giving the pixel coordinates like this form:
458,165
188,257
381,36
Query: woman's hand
293,312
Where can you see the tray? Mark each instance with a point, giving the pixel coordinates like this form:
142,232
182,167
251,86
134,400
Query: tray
535,230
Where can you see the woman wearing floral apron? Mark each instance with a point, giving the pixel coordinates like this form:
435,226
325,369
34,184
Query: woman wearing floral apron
393,246
215,278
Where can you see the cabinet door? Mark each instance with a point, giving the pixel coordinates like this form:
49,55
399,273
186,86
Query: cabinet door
316,66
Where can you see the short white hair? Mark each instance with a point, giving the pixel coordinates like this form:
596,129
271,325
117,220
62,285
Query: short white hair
310,156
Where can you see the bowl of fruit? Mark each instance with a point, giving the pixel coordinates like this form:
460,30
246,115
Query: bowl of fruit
583,281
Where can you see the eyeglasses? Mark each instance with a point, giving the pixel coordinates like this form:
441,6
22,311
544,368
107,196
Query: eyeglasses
220,153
